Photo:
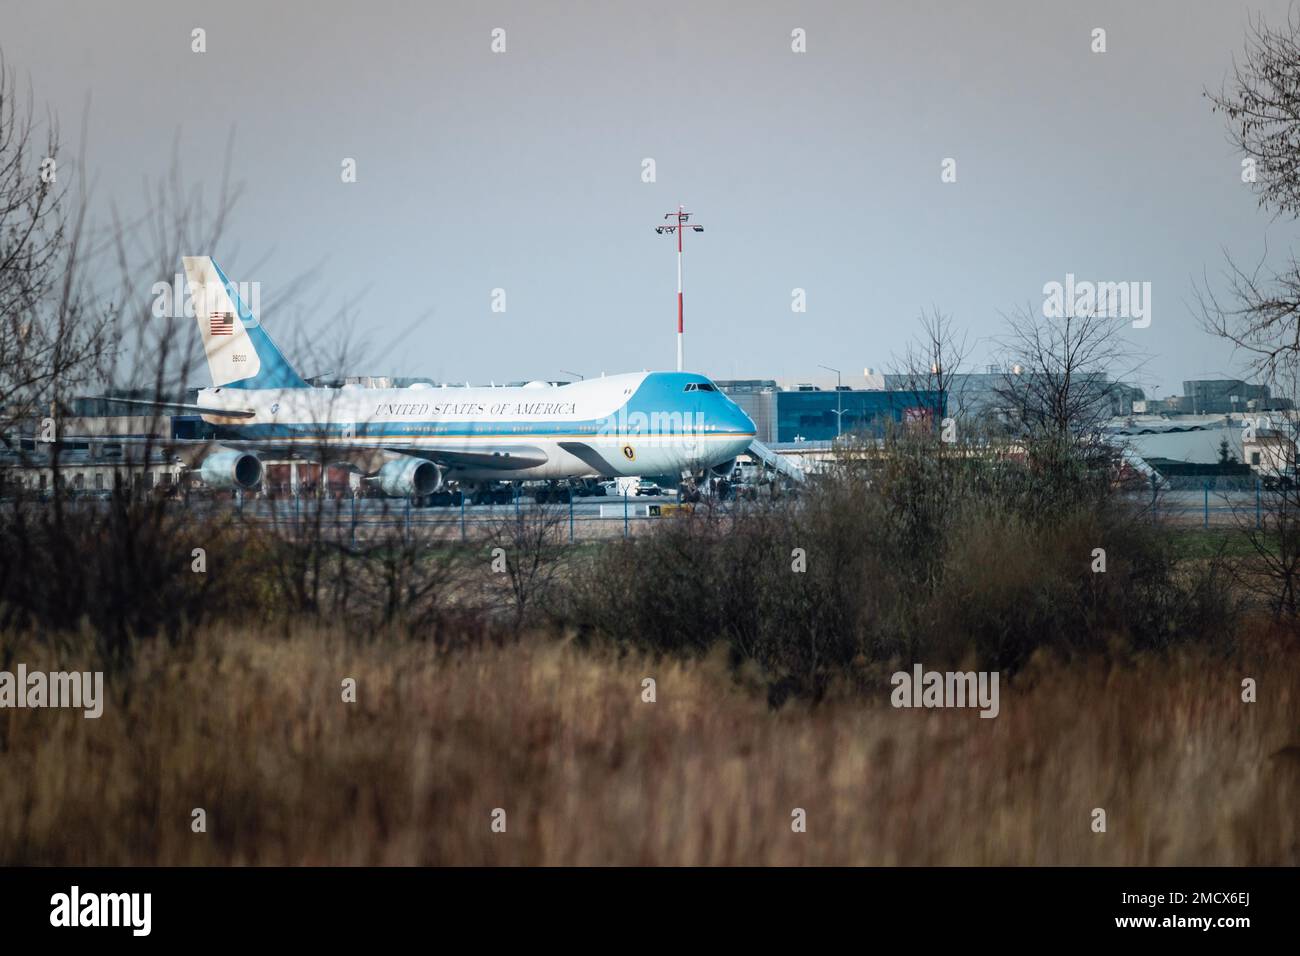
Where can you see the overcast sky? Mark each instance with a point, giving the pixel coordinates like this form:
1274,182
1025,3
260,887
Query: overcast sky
820,170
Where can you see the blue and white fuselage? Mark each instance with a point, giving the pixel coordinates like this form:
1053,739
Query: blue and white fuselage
416,438
643,423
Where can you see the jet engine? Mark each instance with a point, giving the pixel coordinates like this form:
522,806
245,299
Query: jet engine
228,470
408,477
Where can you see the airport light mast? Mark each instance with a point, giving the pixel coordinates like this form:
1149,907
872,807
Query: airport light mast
680,224
839,401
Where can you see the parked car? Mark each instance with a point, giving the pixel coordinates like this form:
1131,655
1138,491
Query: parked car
1281,480
646,487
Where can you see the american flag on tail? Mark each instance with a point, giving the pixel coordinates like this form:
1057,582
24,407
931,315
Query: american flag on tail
221,323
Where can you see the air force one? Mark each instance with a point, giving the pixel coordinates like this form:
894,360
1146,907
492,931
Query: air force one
416,440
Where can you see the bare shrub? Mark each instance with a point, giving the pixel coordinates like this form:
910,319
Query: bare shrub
525,552
902,566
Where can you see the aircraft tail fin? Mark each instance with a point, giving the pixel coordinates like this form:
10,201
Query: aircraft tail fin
240,354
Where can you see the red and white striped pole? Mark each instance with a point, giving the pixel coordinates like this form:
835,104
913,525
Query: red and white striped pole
681,218
681,327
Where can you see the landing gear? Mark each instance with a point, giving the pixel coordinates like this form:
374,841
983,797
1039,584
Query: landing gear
444,498
560,494
492,494
589,487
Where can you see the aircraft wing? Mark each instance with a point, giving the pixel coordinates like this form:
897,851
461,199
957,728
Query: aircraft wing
365,457
503,457
179,406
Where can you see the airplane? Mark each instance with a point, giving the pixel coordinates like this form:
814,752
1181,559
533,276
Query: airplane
414,441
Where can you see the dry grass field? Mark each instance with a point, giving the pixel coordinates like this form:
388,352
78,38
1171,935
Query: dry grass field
252,728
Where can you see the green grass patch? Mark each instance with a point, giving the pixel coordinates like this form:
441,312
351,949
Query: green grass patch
1192,544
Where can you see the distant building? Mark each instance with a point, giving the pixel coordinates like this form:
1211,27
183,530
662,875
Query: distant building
1216,396
87,466
1186,440
807,412
984,396
1270,451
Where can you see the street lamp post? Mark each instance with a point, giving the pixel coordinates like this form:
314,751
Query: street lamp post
839,401
680,222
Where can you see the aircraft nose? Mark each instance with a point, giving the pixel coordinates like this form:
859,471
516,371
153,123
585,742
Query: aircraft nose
733,418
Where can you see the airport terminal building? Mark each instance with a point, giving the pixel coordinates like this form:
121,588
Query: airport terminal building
807,412
821,408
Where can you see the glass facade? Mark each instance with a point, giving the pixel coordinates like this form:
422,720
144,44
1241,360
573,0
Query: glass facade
812,416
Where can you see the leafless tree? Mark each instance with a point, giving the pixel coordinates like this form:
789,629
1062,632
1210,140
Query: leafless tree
1271,524
1273,573
914,469
52,330
1262,105
1259,312
1061,378
527,548
1062,374
933,357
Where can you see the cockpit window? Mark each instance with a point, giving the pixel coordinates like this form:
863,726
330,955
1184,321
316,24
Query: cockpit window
699,387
